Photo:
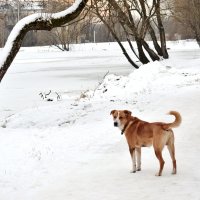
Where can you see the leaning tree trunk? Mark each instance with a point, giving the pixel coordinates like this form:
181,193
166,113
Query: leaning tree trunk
132,48
155,42
37,21
161,30
142,56
150,51
116,38
163,42
130,23
124,51
129,41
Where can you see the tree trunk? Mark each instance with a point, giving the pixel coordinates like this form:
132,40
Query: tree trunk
155,42
147,26
142,56
161,30
124,51
126,55
39,22
139,37
151,53
129,41
163,42
131,46
117,39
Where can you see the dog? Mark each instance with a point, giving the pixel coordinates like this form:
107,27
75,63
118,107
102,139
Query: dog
140,133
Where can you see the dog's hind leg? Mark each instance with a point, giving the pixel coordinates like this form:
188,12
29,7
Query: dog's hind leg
171,148
132,153
162,162
138,158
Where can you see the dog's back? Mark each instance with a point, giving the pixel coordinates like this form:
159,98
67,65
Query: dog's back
141,133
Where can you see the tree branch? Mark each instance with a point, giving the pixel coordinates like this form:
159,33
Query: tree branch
38,21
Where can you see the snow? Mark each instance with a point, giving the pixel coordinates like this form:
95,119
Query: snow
143,81
71,9
69,148
27,20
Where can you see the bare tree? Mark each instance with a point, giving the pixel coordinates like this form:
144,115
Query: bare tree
161,28
36,22
109,17
15,10
137,18
59,36
75,31
187,12
145,9
135,21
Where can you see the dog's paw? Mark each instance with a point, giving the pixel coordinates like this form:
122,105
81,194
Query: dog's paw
133,171
157,174
174,172
138,169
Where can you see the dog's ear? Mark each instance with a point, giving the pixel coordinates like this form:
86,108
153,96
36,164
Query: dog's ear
112,112
127,112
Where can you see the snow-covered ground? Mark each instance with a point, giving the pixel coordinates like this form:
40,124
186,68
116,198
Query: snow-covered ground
69,149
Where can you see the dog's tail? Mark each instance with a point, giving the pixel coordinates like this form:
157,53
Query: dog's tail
177,121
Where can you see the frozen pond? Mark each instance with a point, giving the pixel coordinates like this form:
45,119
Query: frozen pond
41,69
70,73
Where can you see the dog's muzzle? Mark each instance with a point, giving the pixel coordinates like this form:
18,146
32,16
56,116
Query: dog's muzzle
115,124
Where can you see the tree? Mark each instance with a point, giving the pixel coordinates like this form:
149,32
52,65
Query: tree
136,18
161,28
60,37
109,18
38,21
15,10
134,25
187,12
75,31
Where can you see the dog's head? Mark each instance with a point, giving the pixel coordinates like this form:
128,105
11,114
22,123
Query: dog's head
120,117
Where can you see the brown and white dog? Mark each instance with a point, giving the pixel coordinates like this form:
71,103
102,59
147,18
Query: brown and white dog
142,134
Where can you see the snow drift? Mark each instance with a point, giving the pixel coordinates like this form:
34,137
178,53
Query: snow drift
150,77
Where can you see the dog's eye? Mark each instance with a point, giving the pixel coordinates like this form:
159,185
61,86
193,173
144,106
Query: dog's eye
115,117
120,117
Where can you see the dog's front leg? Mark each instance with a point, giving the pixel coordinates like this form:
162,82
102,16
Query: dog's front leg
132,152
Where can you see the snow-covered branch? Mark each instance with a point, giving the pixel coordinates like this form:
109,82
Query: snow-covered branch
38,21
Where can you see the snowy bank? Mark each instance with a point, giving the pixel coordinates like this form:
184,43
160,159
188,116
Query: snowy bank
147,80
142,81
